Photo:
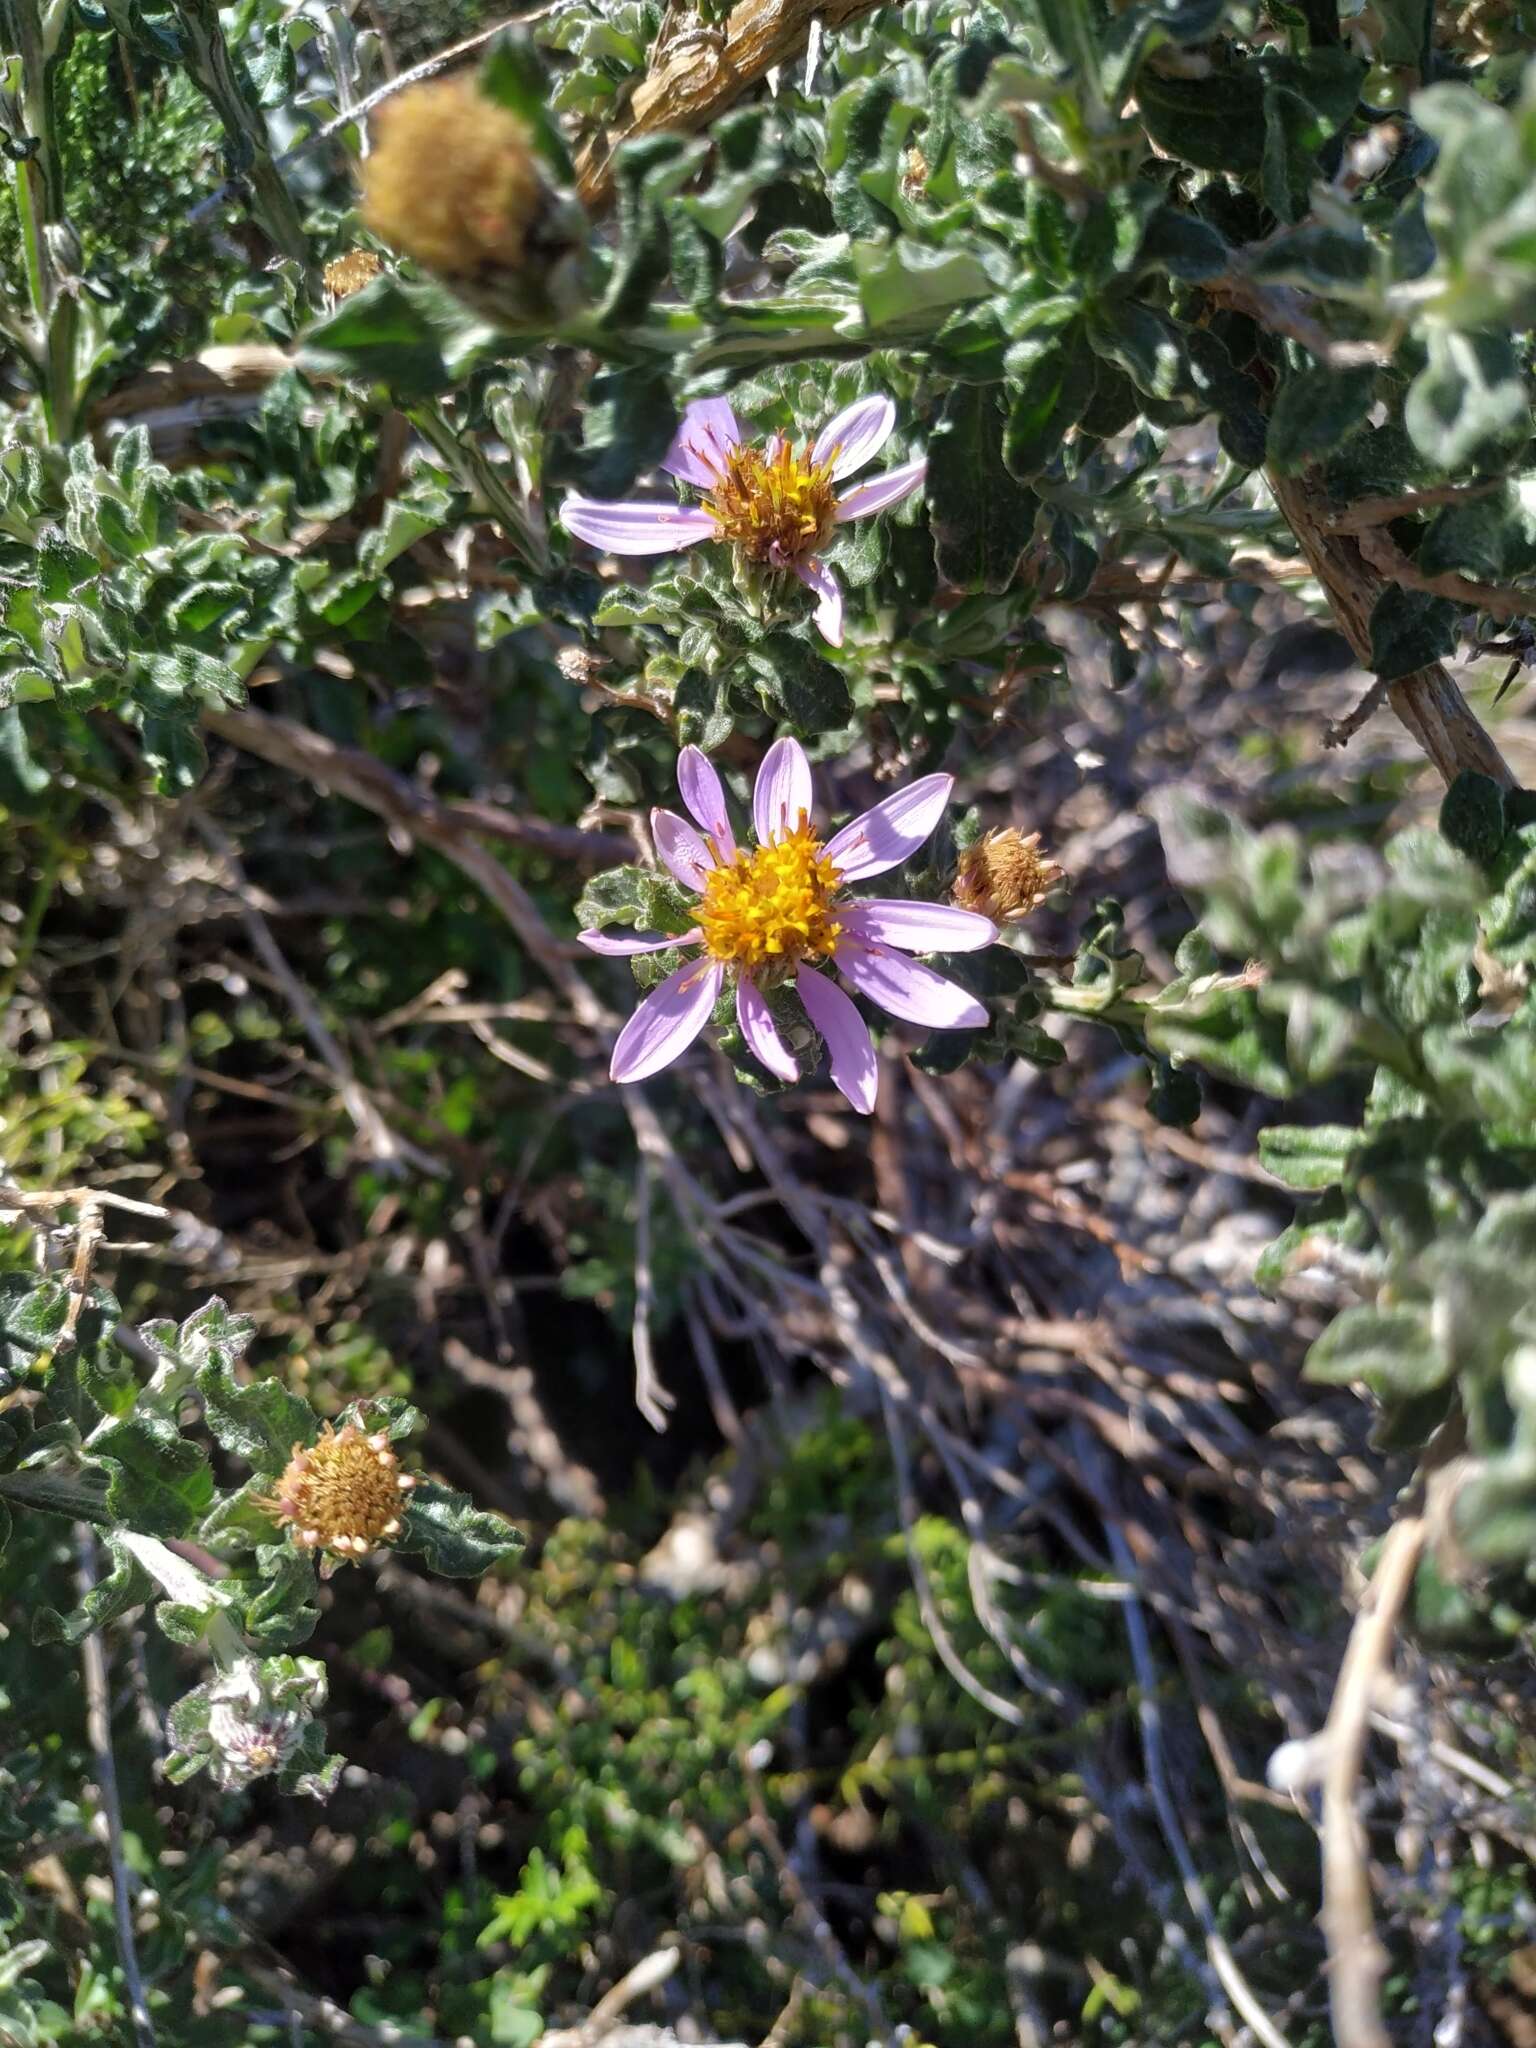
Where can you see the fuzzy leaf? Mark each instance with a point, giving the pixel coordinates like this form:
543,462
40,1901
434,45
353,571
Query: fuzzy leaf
260,1421
982,518
1391,1350
454,1537
1411,630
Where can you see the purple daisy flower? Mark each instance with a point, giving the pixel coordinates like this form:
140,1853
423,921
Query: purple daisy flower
776,508
778,912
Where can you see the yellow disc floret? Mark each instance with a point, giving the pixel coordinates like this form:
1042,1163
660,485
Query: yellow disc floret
773,907
776,506
343,1494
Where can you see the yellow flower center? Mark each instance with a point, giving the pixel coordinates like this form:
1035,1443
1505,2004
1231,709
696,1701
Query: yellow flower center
772,907
345,1494
775,506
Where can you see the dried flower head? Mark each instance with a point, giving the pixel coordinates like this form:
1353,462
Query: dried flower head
348,274
452,179
1004,875
343,1494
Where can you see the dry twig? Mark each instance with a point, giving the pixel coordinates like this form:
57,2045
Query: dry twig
1356,1958
98,1732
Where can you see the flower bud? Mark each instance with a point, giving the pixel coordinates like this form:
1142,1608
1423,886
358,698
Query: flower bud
256,1717
1004,875
453,181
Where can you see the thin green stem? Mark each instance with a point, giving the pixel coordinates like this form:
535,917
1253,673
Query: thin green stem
35,36
472,468
32,923
223,81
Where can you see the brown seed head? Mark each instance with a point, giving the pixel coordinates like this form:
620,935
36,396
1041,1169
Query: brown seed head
348,274
1004,875
344,1494
452,180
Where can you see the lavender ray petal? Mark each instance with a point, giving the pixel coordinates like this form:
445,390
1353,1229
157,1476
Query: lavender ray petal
682,852
905,988
621,943
704,794
891,831
761,1033
855,436
829,599
635,527
705,436
667,1022
782,795
918,927
889,488
850,1049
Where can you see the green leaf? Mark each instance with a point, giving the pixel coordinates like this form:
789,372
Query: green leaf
1307,102
1045,402
513,76
1144,343
1314,412
395,333
647,174
277,1597
1177,244
1411,630
1308,1156
260,1422
906,290
1391,1350
126,1585
800,685
33,1313
1472,816
982,518
1215,123
160,1484
454,1537
1470,402
627,424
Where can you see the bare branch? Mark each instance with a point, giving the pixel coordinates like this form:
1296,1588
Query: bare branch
98,1732
1357,1959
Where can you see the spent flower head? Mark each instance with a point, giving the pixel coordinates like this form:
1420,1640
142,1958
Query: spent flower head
1005,875
453,181
775,507
779,913
343,1495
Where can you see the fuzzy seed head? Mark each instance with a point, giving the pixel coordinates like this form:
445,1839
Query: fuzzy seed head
344,1494
452,180
1004,875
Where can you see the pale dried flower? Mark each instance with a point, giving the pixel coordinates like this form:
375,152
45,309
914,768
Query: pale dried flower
344,1494
1004,875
